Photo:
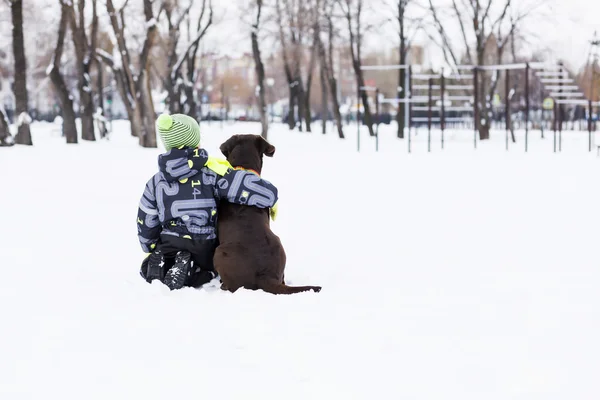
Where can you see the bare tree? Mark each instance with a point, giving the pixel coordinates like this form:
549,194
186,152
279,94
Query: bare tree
134,86
325,54
353,11
296,22
66,102
292,84
203,23
406,30
480,22
21,95
173,83
85,49
260,69
180,81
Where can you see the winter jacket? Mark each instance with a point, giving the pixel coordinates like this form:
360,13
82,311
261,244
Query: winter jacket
181,200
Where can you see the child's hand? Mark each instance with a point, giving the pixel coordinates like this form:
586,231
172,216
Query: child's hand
273,211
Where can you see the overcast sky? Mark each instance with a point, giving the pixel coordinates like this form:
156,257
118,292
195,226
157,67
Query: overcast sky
565,27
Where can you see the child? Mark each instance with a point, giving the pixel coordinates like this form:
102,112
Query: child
177,216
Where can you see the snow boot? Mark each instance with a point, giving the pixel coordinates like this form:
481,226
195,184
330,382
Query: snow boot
156,266
177,275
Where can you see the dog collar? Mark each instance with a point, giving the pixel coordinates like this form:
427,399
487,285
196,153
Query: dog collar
247,170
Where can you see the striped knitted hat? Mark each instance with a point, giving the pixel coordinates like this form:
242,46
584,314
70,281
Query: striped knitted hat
178,130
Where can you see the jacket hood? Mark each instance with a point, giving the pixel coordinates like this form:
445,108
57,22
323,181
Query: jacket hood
178,164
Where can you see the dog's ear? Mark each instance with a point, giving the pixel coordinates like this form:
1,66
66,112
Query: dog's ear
228,145
265,147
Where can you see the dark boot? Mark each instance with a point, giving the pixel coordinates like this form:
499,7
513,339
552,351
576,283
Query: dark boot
200,278
177,275
155,266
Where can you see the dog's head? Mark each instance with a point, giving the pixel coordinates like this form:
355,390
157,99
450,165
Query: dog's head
247,151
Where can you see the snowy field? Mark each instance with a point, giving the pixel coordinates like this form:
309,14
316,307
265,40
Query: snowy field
463,274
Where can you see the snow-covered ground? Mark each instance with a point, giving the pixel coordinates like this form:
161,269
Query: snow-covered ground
463,274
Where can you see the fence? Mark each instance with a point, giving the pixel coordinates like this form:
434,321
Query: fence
442,99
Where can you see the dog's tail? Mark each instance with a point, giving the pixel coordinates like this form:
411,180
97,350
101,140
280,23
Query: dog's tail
275,287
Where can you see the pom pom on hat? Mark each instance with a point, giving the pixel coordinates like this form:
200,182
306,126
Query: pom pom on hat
164,122
178,130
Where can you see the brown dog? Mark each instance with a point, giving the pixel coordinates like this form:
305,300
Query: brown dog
250,255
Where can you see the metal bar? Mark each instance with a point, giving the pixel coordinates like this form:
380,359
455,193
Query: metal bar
590,125
543,65
425,119
507,104
575,102
459,76
563,80
438,119
425,87
368,88
383,67
377,116
459,98
443,124
475,105
459,87
564,87
550,74
526,106
423,108
426,76
358,121
560,116
502,67
429,116
410,89
554,123
566,94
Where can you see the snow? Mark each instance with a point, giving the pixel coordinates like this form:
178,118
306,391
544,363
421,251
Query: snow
151,23
457,274
50,67
117,59
24,119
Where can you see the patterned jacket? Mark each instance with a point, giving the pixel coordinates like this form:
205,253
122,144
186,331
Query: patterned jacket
182,198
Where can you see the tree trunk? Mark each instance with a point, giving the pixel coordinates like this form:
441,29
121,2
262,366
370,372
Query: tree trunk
291,119
336,107
191,108
483,125
84,53
324,100
307,110
300,102
363,96
100,69
355,53
401,112
132,114
21,96
135,88
146,107
6,138
86,109
69,127
260,74
328,65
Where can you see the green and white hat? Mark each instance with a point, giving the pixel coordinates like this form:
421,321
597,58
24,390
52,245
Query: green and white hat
178,130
